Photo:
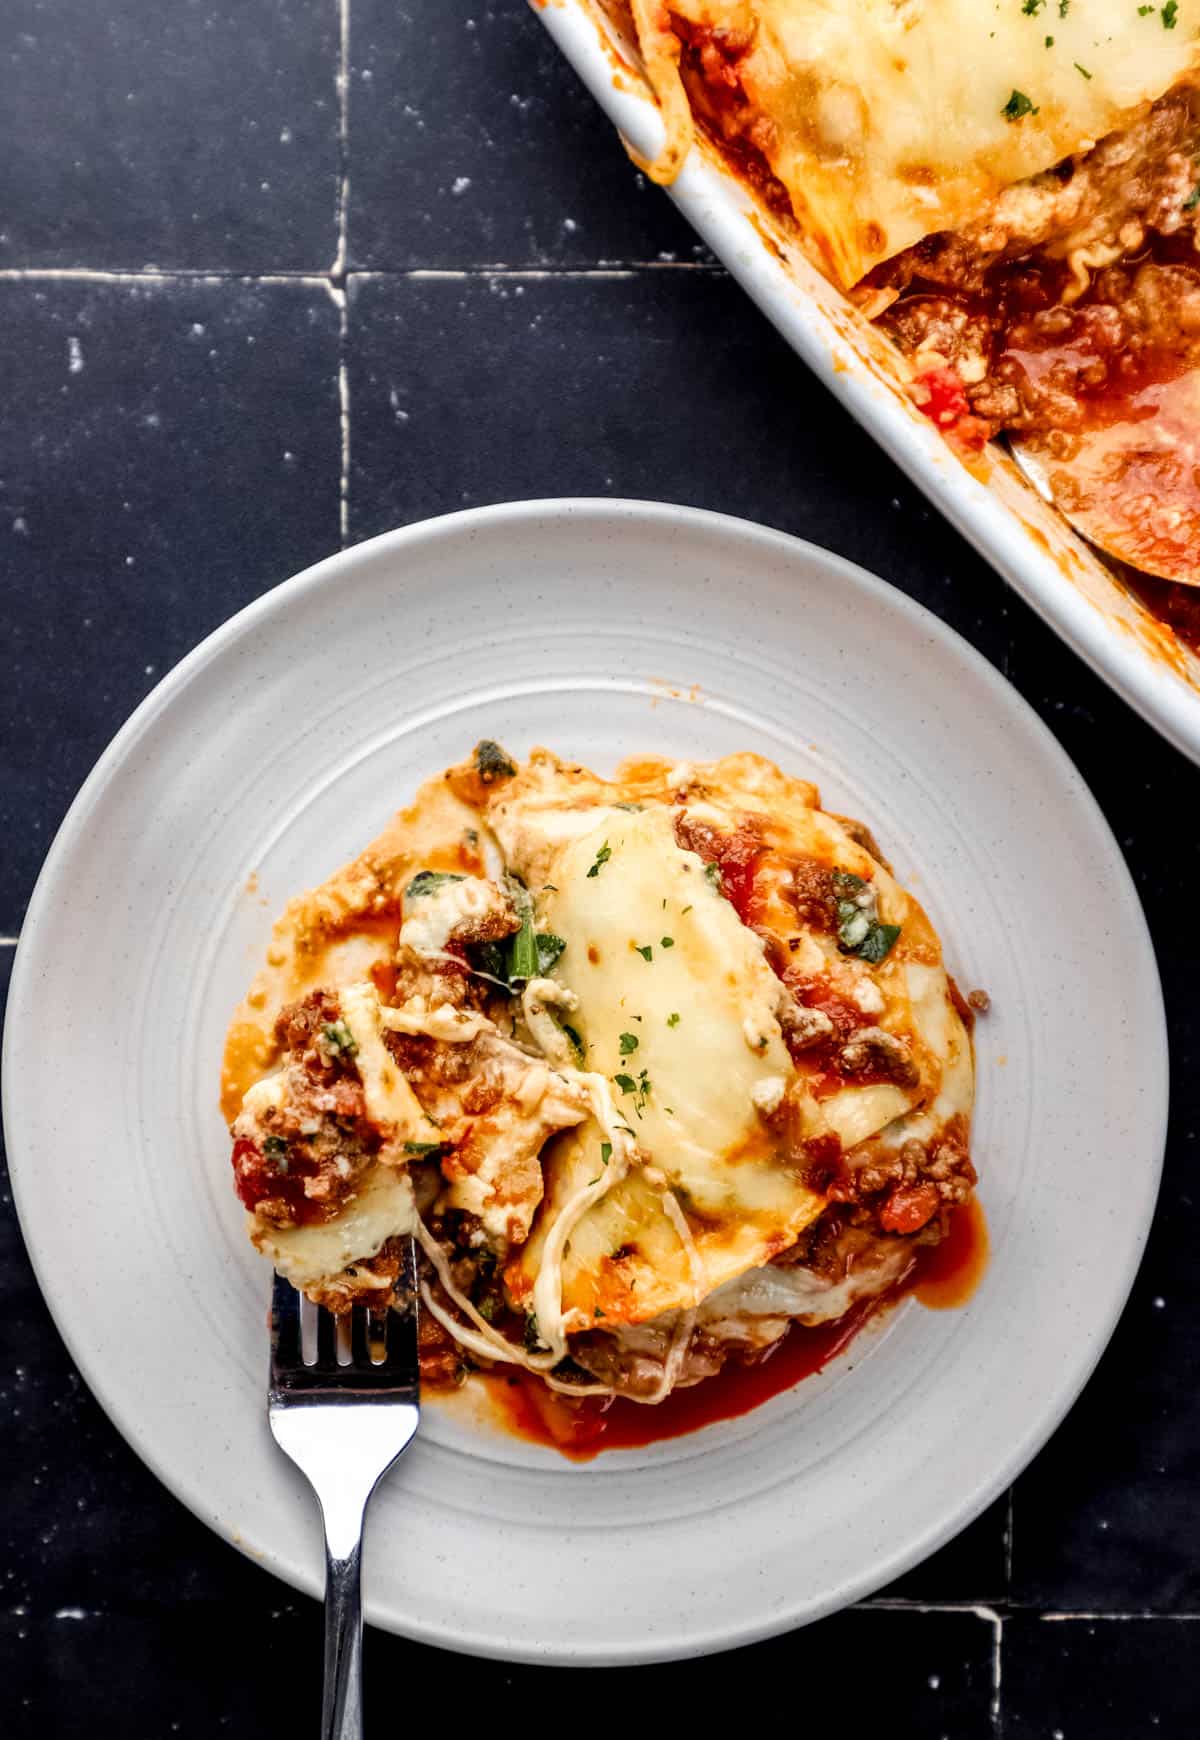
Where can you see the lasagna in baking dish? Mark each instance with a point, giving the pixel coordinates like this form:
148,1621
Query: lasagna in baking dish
1008,187
652,1067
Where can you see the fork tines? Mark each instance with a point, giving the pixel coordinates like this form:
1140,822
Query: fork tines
378,1353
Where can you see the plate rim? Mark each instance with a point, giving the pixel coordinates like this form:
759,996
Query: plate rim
22,993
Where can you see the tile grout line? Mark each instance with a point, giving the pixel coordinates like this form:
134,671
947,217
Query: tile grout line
996,1708
340,273
153,275
338,279
1001,1610
341,207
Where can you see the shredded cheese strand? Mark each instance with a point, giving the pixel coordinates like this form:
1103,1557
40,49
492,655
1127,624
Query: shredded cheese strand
537,999
660,49
497,1346
547,1289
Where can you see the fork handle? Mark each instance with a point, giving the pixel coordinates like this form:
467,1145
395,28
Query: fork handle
341,1705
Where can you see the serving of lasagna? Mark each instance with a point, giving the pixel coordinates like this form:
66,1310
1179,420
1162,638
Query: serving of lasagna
1008,189
653,1068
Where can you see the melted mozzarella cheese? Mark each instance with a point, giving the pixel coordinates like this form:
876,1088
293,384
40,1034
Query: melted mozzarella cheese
890,119
430,920
688,1037
703,1068
306,1255
391,1102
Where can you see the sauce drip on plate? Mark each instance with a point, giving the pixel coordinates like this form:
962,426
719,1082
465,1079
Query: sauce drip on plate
946,1275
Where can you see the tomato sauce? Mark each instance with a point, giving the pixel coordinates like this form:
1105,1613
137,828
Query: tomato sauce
945,1276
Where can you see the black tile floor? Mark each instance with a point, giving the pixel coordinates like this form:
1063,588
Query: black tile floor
276,275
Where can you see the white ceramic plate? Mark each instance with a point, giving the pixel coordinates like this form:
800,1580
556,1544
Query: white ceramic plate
992,505
278,748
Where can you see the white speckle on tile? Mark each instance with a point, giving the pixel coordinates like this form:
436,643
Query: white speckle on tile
149,670
21,526
70,1613
74,356
285,135
460,184
570,226
1158,1302
198,329
935,1681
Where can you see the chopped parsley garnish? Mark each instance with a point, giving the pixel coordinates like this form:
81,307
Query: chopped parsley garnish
860,931
492,762
602,857
1193,198
878,943
338,1038
645,950
522,951
846,885
523,955
576,1043
628,1042
425,881
712,874
666,942
672,1021
605,1153
423,1147
1064,6
1049,42
685,912
640,1089
1145,11
597,1312
1170,14
1083,70
532,1336
1018,106
549,947
275,1148
1031,8
634,809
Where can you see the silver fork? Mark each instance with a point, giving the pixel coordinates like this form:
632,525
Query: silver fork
344,1426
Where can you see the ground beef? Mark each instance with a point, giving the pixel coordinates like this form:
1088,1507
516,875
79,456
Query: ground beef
299,1162
812,894
1074,286
1134,181
900,1189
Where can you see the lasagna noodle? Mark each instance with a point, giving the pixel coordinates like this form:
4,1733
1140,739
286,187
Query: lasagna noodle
888,120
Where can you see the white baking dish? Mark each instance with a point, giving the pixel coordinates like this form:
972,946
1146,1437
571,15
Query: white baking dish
990,502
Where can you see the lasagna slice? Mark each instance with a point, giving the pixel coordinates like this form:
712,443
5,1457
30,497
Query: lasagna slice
1011,190
652,1067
